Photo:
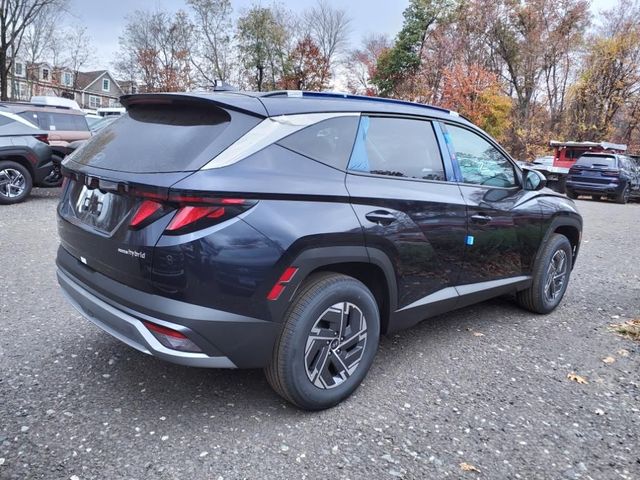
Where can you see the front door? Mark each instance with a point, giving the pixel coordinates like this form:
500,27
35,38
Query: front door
504,226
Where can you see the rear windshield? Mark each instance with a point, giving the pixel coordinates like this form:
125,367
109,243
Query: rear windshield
597,161
156,138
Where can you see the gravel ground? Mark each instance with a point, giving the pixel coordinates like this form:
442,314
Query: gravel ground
486,386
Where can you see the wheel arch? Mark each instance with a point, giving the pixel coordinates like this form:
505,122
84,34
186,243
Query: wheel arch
370,266
571,228
19,157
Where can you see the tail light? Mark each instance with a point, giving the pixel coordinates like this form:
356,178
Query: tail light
611,173
171,338
43,137
191,212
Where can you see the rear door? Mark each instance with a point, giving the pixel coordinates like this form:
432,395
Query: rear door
129,167
400,193
504,223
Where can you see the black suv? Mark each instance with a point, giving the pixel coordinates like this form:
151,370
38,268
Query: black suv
289,230
608,175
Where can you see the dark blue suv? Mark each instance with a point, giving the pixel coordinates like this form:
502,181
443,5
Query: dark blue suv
289,230
607,175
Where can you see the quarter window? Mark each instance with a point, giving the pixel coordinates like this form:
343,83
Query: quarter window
397,147
480,162
329,141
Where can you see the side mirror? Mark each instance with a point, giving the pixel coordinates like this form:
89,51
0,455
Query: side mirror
533,180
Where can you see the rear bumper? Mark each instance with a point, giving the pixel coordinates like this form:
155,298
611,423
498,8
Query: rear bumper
594,188
227,340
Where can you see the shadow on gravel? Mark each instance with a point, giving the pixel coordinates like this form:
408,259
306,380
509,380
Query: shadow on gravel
141,386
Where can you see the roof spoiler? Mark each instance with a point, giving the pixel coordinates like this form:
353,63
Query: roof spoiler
227,100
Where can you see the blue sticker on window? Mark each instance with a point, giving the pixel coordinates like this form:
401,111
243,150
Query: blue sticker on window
359,157
470,240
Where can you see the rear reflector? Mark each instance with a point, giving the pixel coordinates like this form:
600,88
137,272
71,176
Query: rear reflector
282,282
172,338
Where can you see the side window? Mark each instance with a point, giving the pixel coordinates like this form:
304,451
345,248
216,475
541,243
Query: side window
34,118
397,147
480,162
329,141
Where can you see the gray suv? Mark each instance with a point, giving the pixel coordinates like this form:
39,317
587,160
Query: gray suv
25,159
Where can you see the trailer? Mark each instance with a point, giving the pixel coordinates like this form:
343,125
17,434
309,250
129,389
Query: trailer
565,156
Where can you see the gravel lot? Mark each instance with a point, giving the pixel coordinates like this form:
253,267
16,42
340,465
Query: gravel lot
486,386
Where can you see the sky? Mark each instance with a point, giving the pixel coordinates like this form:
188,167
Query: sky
105,21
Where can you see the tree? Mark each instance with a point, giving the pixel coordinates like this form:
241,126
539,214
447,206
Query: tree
528,37
15,17
155,51
213,30
329,28
362,64
78,50
264,37
399,65
610,79
476,93
306,68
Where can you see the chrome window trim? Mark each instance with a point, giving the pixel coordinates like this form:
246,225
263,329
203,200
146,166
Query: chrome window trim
267,132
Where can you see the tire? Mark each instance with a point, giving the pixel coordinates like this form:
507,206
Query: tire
623,197
15,182
544,294
295,369
571,195
596,197
55,178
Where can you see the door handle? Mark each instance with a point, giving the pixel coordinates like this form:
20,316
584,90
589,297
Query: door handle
480,219
381,217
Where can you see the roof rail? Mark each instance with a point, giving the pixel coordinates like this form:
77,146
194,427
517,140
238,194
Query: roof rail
348,96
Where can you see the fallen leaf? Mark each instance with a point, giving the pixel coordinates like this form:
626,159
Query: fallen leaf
478,334
467,467
577,378
623,353
608,359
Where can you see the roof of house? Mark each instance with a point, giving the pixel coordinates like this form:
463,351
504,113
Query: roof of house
87,78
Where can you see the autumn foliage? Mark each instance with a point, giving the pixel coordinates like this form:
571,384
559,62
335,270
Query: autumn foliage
476,93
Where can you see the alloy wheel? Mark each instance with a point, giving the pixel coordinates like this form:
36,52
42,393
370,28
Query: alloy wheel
335,345
12,183
556,276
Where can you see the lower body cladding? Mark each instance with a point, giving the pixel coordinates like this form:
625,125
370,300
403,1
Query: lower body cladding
223,339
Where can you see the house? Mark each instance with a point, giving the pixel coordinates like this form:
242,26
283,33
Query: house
97,89
91,90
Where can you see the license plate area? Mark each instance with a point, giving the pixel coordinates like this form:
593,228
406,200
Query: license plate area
100,210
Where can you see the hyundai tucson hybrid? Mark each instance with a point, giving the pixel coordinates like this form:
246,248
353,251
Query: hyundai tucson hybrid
606,175
289,230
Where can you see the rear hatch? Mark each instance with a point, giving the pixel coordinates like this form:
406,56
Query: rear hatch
595,169
117,201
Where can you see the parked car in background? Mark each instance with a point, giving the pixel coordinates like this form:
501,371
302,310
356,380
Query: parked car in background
288,230
63,123
607,175
25,158
565,156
